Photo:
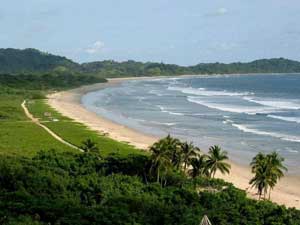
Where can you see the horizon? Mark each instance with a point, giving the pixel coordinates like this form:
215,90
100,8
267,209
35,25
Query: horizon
161,31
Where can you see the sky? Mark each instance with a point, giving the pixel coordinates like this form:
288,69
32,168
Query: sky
169,31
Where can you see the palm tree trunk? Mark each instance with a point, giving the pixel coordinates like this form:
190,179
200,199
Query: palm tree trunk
214,173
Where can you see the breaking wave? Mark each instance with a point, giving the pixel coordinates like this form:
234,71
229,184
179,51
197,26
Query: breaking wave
251,110
265,133
163,109
289,119
276,104
204,92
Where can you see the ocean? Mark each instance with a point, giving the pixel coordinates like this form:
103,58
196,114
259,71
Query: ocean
244,114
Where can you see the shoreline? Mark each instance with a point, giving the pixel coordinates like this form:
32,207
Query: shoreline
69,104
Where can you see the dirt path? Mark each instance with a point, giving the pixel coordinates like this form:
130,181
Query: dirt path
54,135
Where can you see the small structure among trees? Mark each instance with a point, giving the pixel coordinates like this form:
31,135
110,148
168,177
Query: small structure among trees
205,221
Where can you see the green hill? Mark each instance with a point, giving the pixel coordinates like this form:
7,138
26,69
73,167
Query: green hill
32,61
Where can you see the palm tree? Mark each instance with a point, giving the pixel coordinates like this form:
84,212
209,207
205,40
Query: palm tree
216,162
162,151
261,180
171,146
89,146
257,161
276,169
199,166
268,169
189,151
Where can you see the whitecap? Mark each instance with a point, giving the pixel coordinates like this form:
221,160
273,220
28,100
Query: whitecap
293,151
154,92
285,137
284,118
281,104
163,123
251,110
227,121
204,92
162,109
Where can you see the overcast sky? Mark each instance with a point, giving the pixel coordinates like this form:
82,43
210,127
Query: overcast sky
172,31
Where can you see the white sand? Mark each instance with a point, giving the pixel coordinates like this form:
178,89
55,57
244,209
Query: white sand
287,192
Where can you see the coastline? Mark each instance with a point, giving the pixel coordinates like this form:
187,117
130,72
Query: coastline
69,104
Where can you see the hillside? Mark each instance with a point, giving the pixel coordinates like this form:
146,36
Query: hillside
32,60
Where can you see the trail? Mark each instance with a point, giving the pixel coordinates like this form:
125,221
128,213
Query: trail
54,135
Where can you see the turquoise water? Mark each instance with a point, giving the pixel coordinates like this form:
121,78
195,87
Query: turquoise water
244,114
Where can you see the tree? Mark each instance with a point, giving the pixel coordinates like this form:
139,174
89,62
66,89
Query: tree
261,180
257,161
276,167
199,166
160,158
215,162
89,146
189,151
268,169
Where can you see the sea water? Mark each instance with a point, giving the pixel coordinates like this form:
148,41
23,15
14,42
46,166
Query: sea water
244,114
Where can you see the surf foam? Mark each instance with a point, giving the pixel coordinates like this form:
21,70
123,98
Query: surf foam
275,103
251,110
284,118
204,92
285,137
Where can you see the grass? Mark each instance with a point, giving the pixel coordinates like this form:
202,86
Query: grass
18,135
76,133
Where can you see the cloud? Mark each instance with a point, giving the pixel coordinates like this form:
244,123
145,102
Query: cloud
222,11
95,48
219,12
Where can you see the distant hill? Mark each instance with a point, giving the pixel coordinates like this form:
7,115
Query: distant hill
276,65
132,68
32,60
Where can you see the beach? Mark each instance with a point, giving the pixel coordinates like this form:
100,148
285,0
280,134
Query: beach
69,104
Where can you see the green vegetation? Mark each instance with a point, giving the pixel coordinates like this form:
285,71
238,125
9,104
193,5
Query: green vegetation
32,61
171,154
132,68
215,161
46,81
268,169
83,188
43,181
18,135
14,61
76,133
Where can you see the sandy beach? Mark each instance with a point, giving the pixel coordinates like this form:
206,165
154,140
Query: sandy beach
69,104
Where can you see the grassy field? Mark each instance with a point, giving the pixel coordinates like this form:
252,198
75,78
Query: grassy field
76,133
18,135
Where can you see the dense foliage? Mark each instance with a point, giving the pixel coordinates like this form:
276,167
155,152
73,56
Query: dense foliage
47,81
31,60
132,68
68,188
